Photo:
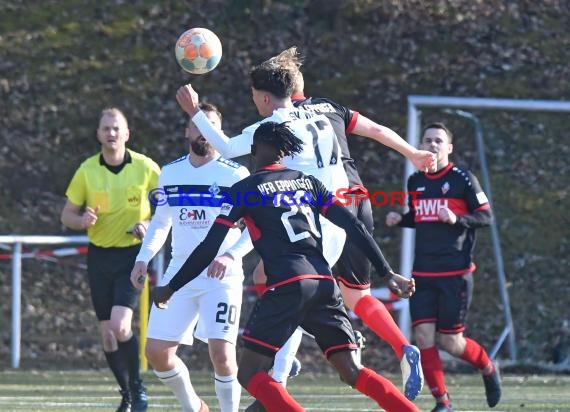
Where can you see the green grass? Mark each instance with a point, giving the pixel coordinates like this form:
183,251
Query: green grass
96,391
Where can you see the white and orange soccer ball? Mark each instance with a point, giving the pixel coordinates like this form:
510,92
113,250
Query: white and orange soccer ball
198,50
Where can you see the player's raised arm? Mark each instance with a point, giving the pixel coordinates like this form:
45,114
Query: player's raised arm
240,145
422,159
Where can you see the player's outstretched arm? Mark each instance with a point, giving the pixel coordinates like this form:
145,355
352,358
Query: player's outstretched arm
240,145
188,99
422,159
356,232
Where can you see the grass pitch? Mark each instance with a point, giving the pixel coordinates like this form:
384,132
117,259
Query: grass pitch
97,391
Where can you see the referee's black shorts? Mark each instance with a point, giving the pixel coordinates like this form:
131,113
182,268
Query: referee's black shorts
313,304
109,272
353,267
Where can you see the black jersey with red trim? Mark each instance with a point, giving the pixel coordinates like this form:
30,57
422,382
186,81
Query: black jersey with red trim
343,120
281,208
442,249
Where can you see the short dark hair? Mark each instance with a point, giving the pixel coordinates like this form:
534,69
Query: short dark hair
271,76
209,107
278,136
439,125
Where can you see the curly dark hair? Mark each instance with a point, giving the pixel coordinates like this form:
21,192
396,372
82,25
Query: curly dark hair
279,136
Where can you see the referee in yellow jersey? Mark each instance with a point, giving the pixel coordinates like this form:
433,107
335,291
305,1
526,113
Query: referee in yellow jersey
108,196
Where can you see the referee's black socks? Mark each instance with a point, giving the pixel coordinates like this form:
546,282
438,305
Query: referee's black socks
118,366
129,351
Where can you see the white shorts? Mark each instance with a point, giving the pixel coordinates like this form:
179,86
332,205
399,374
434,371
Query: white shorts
212,313
333,241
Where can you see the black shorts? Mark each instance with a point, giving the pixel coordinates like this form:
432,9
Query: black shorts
109,272
313,304
443,300
353,267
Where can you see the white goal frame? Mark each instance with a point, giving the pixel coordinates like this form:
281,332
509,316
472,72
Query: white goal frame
416,102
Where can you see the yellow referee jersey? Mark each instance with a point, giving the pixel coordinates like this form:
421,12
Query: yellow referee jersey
122,198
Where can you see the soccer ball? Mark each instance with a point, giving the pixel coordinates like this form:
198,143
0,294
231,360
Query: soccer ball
198,50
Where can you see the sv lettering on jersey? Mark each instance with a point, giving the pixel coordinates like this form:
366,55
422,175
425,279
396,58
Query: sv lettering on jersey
427,209
298,114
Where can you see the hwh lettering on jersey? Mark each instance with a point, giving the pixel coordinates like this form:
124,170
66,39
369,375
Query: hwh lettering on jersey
426,210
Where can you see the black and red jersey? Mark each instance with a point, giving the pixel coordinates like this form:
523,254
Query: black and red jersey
343,121
281,209
442,249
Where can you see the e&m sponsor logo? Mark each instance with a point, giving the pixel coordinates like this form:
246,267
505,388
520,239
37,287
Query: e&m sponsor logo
191,214
195,218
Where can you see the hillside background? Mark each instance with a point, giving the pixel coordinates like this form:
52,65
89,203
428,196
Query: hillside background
62,61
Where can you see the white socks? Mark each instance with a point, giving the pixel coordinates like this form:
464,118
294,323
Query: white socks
178,380
285,356
228,391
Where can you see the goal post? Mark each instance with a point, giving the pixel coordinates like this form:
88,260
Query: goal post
415,103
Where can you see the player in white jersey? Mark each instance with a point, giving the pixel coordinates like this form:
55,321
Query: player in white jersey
188,199
272,87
